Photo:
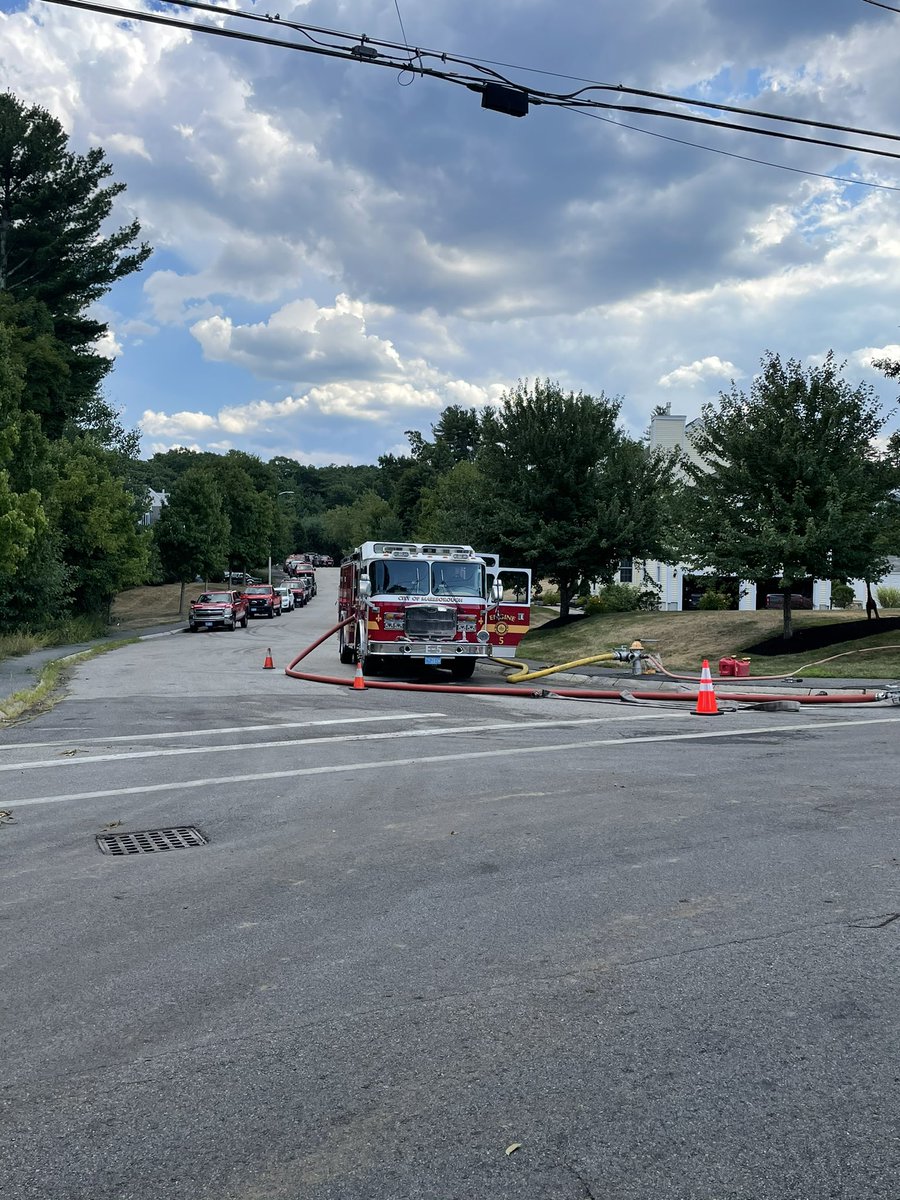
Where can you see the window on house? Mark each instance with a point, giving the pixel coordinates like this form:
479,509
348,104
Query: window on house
626,570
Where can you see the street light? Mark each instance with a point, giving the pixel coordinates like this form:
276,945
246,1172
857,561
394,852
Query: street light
277,498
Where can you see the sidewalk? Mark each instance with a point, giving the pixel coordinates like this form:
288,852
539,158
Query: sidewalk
24,670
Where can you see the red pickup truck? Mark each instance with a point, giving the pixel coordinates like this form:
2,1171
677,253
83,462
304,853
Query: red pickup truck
218,610
262,601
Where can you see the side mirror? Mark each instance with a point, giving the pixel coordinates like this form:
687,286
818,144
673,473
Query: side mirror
496,592
365,587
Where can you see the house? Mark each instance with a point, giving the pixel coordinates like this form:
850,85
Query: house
157,500
679,585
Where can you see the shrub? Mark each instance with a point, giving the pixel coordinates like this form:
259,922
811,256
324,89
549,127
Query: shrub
714,601
549,596
888,597
620,597
842,595
589,605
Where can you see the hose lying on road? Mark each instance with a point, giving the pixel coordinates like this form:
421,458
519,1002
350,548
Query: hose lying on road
574,693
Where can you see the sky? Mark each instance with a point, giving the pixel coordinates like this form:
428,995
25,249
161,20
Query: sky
341,250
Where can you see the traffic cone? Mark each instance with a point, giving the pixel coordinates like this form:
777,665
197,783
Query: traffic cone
268,665
706,697
358,681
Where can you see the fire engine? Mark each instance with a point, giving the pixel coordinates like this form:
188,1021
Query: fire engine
445,606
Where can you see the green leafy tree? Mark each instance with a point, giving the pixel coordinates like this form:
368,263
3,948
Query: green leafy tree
368,518
251,514
567,493
791,482
455,509
192,532
97,524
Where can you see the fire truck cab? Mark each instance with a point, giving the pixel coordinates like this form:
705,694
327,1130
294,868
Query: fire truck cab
444,606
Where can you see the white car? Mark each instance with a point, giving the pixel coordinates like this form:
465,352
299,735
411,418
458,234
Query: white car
287,599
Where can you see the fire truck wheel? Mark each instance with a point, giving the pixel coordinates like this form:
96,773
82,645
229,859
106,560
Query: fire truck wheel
462,668
346,652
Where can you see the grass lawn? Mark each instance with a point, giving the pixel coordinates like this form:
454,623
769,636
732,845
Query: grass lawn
142,606
682,640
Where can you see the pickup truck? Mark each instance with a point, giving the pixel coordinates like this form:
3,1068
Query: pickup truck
263,601
218,610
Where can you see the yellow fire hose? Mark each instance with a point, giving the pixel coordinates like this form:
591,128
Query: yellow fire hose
524,673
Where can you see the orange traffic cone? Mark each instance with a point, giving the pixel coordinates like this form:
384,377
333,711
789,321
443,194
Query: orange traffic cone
358,681
706,697
268,665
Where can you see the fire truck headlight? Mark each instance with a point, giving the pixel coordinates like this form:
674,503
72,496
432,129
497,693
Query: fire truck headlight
483,636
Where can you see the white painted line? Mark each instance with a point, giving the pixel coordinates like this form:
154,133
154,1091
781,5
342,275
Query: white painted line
188,733
436,731
384,764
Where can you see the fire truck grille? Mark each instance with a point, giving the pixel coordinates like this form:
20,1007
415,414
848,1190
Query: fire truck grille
430,621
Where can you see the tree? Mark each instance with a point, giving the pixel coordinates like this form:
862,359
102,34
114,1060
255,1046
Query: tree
251,514
367,518
454,509
566,492
57,253
791,482
192,531
97,524
21,514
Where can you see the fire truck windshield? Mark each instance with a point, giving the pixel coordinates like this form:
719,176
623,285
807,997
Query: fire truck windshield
398,578
457,579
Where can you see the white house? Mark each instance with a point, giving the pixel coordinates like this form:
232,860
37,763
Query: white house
669,432
157,500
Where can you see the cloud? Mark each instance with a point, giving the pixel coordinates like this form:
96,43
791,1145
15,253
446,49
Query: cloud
301,343
107,345
699,371
176,424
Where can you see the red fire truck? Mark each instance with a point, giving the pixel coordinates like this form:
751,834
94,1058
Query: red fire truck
445,606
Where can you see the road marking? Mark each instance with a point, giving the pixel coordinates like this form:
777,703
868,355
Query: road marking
385,764
436,731
188,733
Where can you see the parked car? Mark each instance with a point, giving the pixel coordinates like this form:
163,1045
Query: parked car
308,576
287,598
263,601
238,577
300,592
776,600
218,610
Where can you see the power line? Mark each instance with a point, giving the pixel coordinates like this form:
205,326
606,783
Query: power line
509,96
763,162
878,4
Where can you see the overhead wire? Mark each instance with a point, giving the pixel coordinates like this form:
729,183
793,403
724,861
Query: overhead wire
763,162
337,44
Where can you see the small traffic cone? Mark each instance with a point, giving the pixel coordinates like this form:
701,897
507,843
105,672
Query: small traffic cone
268,665
707,705
358,681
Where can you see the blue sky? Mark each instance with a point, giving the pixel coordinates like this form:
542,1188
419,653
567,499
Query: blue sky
338,256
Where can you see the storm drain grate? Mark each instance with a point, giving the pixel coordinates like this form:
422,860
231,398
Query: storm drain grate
150,840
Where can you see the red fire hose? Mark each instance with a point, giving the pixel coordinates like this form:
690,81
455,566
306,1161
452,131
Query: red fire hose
578,693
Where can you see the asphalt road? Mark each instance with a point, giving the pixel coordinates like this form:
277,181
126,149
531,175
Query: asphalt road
657,952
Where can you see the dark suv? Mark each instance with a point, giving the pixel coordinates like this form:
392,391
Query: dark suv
776,600
263,601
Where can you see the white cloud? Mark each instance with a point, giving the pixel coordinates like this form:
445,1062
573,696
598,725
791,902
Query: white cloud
107,345
699,371
301,342
175,424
